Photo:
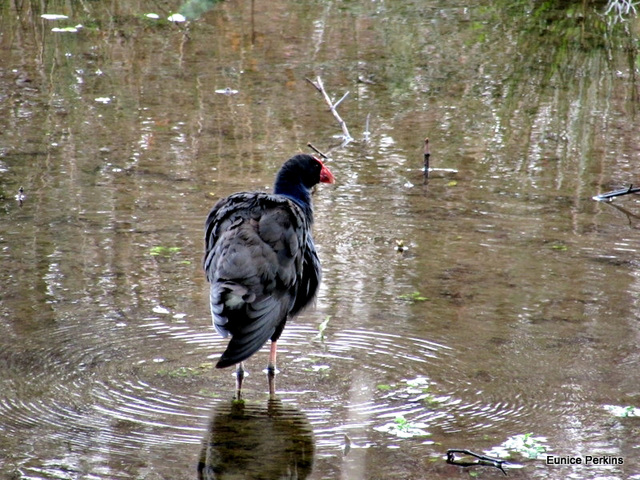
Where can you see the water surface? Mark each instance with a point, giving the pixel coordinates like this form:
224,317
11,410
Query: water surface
514,309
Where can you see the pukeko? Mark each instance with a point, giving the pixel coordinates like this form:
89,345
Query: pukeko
261,262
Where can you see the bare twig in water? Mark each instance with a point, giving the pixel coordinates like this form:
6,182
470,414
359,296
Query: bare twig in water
333,109
366,134
427,155
319,152
483,460
616,193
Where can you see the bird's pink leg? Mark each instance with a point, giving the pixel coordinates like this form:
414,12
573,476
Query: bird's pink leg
271,369
240,374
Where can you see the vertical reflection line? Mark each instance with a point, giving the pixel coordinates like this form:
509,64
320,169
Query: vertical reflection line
359,394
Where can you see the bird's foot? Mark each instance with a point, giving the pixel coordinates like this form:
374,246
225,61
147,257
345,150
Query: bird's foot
271,377
240,374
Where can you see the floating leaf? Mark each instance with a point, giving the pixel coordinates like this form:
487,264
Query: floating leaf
153,16
53,16
452,183
66,29
104,100
177,17
226,91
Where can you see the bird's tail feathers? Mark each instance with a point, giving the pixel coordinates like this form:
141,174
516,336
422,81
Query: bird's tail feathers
255,333
242,347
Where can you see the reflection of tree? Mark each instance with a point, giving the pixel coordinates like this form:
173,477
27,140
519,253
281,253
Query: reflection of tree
560,101
250,441
193,9
540,89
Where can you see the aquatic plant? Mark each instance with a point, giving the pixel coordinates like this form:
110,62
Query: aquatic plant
525,444
322,327
164,251
618,411
403,428
413,390
413,297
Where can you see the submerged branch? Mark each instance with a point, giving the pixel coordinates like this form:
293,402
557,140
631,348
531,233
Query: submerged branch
318,85
616,193
366,134
483,460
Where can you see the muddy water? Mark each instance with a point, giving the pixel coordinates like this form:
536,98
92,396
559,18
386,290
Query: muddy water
513,310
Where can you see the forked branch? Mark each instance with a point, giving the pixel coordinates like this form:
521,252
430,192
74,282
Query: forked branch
333,108
482,460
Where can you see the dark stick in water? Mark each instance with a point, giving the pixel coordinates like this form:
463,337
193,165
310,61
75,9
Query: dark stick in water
482,459
617,193
427,155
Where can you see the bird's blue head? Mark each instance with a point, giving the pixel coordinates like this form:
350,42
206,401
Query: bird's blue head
298,176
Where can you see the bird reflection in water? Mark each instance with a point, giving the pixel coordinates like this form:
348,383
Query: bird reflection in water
251,441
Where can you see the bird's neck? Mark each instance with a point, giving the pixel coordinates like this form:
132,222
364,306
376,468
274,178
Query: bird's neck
296,192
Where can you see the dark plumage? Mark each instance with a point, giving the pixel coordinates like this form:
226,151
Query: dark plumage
261,262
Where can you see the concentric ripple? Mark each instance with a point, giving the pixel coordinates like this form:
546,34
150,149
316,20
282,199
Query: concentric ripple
152,386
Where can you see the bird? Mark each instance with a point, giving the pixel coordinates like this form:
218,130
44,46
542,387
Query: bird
261,263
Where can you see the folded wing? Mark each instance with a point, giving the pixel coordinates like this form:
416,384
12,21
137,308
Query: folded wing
262,268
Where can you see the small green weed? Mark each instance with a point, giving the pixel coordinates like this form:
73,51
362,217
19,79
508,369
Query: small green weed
161,251
413,297
403,428
413,390
322,327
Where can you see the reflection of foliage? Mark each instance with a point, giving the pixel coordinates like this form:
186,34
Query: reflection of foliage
548,31
193,9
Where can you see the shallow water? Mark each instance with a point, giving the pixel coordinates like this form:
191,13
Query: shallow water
514,309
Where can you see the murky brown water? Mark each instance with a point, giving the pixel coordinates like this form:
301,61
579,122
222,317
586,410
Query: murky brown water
513,311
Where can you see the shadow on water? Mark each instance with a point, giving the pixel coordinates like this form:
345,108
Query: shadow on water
246,440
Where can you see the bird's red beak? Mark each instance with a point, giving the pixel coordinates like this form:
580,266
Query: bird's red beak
325,175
